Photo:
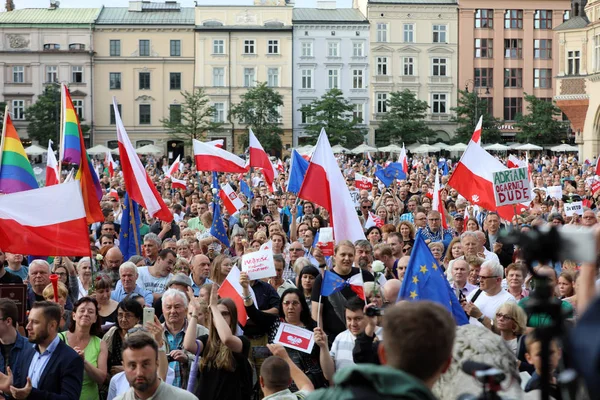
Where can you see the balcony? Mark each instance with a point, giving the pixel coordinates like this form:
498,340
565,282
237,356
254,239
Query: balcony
437,80
383,78
409,79
438,117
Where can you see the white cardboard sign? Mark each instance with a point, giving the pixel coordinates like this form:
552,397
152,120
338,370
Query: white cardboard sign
295,338
555,192
573,208
511,186
259,264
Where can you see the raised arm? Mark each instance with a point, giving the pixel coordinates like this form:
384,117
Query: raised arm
227,337
300,379
189,340
325,359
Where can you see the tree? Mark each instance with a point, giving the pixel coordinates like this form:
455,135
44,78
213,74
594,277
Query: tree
259,110
467,112
334,113
193,118
540,125
2,107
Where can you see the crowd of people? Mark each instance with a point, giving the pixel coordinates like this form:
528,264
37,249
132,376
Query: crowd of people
92,341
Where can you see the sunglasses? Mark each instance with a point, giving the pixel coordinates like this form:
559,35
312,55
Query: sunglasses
406,249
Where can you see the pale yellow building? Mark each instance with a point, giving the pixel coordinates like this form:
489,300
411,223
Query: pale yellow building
237,47
144,58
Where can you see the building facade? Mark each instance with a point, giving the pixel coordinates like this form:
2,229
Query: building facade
145,59
331,50
237,47
414,46
41,46
508,51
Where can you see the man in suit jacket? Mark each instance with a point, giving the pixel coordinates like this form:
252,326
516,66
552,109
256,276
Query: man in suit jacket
49,369
495,243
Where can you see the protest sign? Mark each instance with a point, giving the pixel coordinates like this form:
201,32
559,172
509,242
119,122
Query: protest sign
325,242
573,208
555,192
295,338
363,182
595,187
259,264
511,186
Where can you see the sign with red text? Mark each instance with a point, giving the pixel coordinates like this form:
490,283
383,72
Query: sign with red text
259,264
595,187
511,186
363,182
295,338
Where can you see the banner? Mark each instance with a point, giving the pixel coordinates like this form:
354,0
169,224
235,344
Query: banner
511,186
259,264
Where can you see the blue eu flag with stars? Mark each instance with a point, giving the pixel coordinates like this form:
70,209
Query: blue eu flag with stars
389,173
217,229
130,229
424,280
332,283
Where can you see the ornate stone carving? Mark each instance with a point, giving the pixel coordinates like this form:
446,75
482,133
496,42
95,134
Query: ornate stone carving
144,97
246,18
17,41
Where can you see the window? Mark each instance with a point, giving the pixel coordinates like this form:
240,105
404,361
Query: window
113,119
115,80
512,107
305,118
307,49
115,48
358,49
77,74
219,115
542,48
78,106
18,74
513,19
439,66
144,48
438,103
483,48
542,78
357,79
439,33
144,80
52,46
409,33
573,62
218,46
513,77
382,65
175,113
273,77
219,77
144,114
484,18
175,48
249,77
566,15
333,49
77,46
307,81
175,80
382,32
596,53
513,48
249,46
51,73
273,46
542,19
381,104
408,66
358,112
483,77
333,79
18,109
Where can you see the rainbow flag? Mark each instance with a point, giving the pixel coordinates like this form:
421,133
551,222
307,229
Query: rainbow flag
16,174
73,152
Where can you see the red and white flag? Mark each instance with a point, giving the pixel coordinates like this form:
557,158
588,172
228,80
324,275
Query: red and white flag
362,182
110,164
49,221
402,159
597,173
212,158
217,143
231,201
137,182
374,220
477,132
357,285
173,168
466,218
114,194
260,159
232,289
514,162
438,204
178,183
52,177
280,166
325,185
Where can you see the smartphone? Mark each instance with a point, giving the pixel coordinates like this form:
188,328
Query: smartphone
148,315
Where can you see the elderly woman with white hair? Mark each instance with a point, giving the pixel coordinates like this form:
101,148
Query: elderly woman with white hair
84,277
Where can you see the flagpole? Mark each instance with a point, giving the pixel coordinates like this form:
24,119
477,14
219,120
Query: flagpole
132,217
60,136
3,133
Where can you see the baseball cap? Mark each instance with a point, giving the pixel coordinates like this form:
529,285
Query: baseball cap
180,279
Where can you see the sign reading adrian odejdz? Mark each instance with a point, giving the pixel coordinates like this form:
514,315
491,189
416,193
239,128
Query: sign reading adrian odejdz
511,186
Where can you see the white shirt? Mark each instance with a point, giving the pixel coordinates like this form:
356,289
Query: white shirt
119,385
488,305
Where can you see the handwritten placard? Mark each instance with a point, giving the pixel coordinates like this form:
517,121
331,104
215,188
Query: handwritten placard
573,208
511,186
259,264
295,338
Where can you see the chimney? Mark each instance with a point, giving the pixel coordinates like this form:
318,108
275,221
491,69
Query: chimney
54,5
135,5
10,5
326,4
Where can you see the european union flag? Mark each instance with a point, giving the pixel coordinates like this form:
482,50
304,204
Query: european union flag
217,229
443,166
389,173
244,188
215,182
129,237
298,167
332,283
424,280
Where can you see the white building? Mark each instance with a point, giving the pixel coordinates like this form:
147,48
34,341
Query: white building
331,50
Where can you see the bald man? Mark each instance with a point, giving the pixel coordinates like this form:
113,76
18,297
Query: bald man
200,267
390,290
112,261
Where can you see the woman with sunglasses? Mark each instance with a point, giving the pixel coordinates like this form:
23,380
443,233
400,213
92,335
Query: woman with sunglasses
510,322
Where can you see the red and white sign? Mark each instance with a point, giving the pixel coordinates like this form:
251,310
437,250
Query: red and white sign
325,242
231,201
259,264
595,187
363,182
295,338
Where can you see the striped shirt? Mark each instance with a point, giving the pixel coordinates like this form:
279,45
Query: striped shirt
341,349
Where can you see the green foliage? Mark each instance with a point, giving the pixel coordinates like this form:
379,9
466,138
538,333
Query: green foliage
44,116
467,112
194,119
2,107
404,120
334,113
540,125
259,110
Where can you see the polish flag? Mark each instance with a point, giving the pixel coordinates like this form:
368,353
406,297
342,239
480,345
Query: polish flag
362,182
217,143
260,159
212,158
325,185
178,183
114,194
231,201
110,164
357,285
280,166
373,220
173,168
466,218
232,289
137,182
477,132
597,173
52,177
402,159
438,204
514,162
50,220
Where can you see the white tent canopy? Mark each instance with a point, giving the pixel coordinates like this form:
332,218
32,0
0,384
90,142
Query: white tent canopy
149,149
529,147
98,149
426,148
497,147
35,150
443,146
457,147
363,148
337,149
564,147
392,148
